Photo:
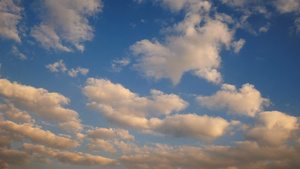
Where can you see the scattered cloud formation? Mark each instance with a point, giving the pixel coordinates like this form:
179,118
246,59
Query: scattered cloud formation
10,16
65,23
60,66
245,101
40,102
285,6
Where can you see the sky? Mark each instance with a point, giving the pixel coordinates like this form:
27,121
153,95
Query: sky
149,84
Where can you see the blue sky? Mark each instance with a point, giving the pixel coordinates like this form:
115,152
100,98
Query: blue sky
138,84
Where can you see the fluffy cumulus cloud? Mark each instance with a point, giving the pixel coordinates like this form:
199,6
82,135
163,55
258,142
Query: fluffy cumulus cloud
273,128
125,108
196,48
66,22
8,156
76,158
40,102
10,16
191,125
245,101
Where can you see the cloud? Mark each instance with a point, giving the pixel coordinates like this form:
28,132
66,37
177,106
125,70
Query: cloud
10,16
245,101
122,107
16,52
72,72
66,22
239,44
246,155
273,128
16,114
40,102
8,156
54,67
76,158
195,47
285,6
118,64
105,139
37,135
192,126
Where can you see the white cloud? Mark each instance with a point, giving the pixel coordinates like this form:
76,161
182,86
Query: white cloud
285,6
191,125
16,52
66,22
54,67
245,101
76,158
40,102
74,72
37,135
273,128
120,106
10,16
196,47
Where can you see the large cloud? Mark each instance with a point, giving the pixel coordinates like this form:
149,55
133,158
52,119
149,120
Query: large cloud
10,16
245,101
122,107
273,128
195,47
65,21
42,103
8,156
245,155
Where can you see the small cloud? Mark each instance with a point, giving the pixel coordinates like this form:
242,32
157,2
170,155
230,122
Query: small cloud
54,67
15,51
74,72
238,45
118,64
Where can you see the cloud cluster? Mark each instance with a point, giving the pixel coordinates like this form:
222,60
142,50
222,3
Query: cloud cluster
42,103
10,16
65,22
245,101
124,108
194,47
72,72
